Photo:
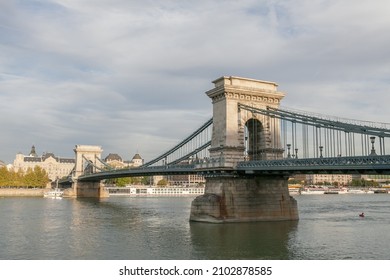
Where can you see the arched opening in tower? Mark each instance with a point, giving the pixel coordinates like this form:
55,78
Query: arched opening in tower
254,139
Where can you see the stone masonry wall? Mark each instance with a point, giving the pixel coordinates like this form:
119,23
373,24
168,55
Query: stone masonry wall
21,192
87,189
244,199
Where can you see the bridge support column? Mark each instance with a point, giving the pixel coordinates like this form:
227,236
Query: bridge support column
87,189
244,199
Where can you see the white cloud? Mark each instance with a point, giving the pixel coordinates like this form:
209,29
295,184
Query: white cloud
129,74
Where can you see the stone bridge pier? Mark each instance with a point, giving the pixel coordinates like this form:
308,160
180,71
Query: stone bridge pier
244,199
87,160
239,136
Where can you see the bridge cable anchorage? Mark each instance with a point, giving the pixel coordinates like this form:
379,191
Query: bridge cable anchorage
198,141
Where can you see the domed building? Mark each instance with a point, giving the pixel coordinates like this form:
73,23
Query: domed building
116,161
137,160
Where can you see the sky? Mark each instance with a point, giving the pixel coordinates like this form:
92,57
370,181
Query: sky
131,76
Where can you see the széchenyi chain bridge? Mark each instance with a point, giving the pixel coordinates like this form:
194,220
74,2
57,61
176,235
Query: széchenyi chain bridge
247,151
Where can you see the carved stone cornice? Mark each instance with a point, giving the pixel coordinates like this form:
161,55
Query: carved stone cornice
245,90
244,96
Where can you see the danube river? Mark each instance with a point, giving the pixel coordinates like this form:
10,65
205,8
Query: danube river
147,228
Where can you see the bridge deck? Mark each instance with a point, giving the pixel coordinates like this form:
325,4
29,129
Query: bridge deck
138,172
334,165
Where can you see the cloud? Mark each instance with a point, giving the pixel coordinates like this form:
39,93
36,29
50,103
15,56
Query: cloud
131,75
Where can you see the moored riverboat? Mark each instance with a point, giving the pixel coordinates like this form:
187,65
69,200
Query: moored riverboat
313,190
55,194
336,191
155,191
294,191
356,191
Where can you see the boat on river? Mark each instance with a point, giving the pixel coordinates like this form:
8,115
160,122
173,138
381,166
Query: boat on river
357,191
154,191
336,191
55,194
294,191
313,190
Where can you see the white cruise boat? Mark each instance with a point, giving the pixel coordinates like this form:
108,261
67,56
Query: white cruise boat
356,191
155,191
55,194
313,190
336,191
294,191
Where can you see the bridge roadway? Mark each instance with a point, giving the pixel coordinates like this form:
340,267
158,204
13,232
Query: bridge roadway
331,165
138,172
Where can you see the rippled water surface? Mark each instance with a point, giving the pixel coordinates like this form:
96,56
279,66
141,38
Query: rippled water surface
158,228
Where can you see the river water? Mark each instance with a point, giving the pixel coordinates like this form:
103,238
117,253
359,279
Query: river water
148,228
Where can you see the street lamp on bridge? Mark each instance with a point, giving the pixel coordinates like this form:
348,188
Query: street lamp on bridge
321,147
288,148
373,153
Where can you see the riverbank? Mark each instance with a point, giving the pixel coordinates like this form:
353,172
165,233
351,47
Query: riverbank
20,192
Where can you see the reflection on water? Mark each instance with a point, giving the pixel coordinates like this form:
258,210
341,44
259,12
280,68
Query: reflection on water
159,228
263,240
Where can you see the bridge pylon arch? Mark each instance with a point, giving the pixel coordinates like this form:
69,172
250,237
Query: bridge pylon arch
231,125
86,154
87,158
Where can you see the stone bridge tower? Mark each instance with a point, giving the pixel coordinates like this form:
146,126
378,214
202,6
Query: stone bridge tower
87,156
86,153
239,135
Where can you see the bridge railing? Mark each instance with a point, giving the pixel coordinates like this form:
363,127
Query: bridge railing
357,164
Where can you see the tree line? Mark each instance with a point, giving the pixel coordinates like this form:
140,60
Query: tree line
122,182
35,177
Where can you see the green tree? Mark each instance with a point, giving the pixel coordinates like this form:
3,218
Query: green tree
121,182
16,178
41,177
4,177
29,178
356,183
37,178
147,180
162,183
294,181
